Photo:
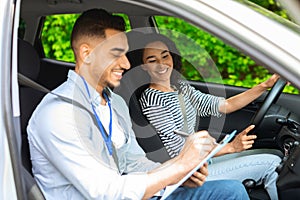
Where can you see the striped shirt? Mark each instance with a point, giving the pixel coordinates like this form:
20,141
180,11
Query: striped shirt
164,112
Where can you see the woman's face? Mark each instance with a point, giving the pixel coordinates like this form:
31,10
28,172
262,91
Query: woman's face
158,62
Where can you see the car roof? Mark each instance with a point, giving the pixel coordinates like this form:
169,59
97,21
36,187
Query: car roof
49,7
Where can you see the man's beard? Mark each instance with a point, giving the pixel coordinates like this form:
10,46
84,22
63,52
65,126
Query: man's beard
110,85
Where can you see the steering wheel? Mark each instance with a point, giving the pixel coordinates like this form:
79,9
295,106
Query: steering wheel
271,98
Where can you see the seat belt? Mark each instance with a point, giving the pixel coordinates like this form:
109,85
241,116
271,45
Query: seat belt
183,110
182,106
23,80
30,83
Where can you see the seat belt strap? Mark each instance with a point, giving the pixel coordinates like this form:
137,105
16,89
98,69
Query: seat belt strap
183,110
23,80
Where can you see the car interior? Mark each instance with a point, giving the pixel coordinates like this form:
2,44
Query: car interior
49,73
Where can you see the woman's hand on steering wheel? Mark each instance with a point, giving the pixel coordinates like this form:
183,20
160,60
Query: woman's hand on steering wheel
269,83
271,98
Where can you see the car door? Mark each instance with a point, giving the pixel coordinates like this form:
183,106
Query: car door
11,180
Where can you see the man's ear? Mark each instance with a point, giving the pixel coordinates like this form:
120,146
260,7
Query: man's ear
85,52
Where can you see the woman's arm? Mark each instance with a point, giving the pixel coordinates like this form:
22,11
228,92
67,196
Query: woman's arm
240,100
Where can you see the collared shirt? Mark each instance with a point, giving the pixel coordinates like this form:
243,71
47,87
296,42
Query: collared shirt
69,157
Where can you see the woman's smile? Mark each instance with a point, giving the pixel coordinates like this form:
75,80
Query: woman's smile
162,71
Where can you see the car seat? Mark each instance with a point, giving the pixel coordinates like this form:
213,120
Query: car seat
28,65
133,83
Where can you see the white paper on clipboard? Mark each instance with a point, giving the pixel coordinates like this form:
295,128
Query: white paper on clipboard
171,188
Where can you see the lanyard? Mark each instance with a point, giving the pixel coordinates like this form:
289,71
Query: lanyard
105,136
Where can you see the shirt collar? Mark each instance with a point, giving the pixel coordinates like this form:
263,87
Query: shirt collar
95,98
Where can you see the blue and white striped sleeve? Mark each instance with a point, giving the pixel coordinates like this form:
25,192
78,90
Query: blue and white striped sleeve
206,104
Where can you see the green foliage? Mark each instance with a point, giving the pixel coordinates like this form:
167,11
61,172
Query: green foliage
273,6
56,37
234,67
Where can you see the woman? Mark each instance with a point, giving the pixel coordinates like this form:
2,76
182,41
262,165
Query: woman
160,103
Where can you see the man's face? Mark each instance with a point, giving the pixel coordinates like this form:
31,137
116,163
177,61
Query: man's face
108,60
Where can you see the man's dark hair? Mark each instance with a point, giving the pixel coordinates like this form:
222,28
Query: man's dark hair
94,22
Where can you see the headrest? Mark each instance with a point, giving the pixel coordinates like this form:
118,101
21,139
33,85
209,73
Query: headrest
28,60
135,39
136,45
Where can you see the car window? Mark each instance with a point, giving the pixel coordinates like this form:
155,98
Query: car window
207,58
56,34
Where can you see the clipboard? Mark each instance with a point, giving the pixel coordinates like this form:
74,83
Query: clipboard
219,146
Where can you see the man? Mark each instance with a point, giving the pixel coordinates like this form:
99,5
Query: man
87,149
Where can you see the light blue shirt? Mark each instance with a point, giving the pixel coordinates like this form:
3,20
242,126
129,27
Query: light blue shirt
69,157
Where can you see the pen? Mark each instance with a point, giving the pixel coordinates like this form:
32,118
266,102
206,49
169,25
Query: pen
181,133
